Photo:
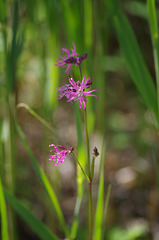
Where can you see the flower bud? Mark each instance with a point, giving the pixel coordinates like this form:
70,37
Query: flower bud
95,152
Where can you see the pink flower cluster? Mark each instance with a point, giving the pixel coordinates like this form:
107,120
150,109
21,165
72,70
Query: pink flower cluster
59,155
73,91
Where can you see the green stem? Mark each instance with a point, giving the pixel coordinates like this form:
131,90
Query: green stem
80,167
87,144
11,160
89,175
80,71
90,212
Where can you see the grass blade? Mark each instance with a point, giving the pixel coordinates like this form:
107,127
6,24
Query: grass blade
106,210
132,54
38,227
99,207
45,182
155,40
34,114
3,211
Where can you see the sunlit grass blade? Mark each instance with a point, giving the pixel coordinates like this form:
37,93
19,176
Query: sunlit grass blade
32,112
45,182
105,211
52,74
132,54
88,27
71,17
80,175
155,40
100,201
37,226
3,213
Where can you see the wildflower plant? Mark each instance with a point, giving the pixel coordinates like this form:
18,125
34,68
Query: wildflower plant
79,91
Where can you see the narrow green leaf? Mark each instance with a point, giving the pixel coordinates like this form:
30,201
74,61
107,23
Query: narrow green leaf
155,40
33,113
105,211
99,207
45,182
132,54
88,27
12,52
152,18
38,227
3,12
3,211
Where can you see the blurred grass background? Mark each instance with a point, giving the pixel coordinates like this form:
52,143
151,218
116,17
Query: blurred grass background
32,34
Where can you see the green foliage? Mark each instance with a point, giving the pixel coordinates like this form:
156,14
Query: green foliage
45,181
134,60
155,40
32,34
132,233
99,207
38,227
3,213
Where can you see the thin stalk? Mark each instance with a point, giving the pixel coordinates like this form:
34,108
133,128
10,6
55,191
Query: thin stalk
11,145
80,71
90,180
88,171
80,167
90,212
87,145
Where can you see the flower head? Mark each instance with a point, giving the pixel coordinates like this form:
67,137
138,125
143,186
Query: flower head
77,91
70,58
59,155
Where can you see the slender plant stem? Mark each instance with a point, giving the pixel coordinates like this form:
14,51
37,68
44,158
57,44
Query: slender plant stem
90,212
90,180
80,71
80,167
88,172
87,145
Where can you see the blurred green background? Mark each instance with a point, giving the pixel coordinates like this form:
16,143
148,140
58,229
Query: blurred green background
32,34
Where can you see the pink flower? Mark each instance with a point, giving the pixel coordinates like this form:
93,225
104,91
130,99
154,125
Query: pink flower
69,59
77,91
65,91
59,155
